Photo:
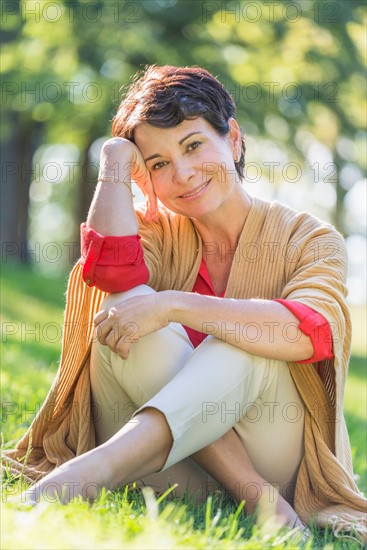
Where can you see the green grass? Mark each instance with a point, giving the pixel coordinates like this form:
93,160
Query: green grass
125,518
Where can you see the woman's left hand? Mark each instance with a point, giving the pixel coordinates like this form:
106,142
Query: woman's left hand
126,322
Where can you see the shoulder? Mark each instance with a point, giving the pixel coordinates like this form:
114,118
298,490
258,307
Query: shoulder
302,232
296,217
300,223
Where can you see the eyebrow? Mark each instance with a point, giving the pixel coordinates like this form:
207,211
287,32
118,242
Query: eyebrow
157,155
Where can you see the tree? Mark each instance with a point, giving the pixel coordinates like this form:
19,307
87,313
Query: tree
296,71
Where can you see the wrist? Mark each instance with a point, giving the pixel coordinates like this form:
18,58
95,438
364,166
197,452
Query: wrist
116,161
114,180
170,305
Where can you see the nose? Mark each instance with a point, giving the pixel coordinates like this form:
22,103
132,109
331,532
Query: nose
183,171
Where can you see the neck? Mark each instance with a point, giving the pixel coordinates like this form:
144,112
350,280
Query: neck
224,226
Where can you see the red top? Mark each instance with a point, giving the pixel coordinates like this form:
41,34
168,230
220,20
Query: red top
115,264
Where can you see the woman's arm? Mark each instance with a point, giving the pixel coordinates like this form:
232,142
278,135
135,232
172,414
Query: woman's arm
112,210
111,253
260,327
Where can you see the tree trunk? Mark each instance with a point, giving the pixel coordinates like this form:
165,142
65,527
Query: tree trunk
16,176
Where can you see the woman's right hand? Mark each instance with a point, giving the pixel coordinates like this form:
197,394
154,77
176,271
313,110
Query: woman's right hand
121,159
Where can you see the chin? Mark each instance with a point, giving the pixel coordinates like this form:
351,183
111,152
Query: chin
192,211
172,208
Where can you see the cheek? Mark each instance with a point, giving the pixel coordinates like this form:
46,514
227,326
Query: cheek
160,185
159,189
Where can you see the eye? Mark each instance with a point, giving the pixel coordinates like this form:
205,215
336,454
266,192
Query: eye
193,145
158,165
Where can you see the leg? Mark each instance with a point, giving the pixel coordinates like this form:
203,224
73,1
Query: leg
228,462
267,415
217,377
137,449
272,431
119,387
142,445
207,397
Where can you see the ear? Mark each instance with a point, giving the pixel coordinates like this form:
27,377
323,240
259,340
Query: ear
234,137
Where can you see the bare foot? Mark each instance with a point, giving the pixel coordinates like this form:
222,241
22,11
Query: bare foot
286,515
277,512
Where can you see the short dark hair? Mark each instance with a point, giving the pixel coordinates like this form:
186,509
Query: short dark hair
164,96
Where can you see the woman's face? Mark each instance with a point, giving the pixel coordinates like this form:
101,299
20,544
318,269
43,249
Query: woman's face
191,166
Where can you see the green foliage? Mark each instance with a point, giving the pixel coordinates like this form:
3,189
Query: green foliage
296,72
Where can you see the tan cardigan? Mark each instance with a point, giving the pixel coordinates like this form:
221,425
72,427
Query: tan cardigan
281,254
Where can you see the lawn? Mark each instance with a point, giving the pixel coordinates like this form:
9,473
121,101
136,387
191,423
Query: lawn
31,318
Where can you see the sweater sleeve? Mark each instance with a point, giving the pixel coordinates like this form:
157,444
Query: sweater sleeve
315,326
112,264
316,272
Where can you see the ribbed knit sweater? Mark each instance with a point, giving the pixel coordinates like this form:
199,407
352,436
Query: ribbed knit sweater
281,253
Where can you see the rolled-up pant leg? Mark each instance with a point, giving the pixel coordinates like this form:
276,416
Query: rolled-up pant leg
120,386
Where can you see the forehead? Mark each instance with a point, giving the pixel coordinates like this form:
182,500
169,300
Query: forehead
146,134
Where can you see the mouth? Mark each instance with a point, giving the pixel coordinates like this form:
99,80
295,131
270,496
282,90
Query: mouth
195,192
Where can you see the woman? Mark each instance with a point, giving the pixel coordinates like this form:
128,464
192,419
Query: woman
217,332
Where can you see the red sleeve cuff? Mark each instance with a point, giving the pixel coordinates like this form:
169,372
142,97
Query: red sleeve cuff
110,263
316,327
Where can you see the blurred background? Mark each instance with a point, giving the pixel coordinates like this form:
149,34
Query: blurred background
296,71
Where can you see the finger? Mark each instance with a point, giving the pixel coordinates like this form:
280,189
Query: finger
105,329
118,343
147,215
123,348
150,196
112,338
153,205
151,212
101,336
100,316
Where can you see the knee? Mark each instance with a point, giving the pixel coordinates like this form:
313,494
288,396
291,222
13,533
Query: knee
117,297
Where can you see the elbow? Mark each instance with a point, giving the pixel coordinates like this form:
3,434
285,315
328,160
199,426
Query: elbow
120,279
304,351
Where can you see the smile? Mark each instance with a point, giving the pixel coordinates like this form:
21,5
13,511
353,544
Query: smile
196,191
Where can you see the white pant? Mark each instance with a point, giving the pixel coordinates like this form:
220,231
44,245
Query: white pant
203,393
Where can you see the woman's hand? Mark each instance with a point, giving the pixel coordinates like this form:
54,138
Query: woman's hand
126,322
121,159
